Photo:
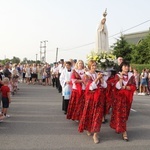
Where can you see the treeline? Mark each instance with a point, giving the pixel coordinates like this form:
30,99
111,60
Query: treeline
18,60
135,54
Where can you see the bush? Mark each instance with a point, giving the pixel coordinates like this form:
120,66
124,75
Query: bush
140,67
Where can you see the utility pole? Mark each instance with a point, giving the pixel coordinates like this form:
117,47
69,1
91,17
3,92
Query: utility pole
43,51
36,57
56,53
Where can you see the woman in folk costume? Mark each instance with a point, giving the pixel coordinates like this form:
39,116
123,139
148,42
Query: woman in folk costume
125,87
91,119
65,81
76,103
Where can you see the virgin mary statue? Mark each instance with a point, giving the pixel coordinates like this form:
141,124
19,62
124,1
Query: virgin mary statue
102,36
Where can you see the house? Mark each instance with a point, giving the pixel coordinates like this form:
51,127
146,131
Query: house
135,38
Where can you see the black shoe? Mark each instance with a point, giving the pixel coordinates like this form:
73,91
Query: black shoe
65,112
104,121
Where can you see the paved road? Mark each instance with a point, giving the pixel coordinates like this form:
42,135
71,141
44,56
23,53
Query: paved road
37,123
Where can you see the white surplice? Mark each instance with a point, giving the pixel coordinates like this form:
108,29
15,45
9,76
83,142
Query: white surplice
64,77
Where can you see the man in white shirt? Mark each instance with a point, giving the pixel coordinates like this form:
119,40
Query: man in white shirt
55,71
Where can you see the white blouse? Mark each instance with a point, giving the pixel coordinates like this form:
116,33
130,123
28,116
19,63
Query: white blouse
93,85
118,86
81,73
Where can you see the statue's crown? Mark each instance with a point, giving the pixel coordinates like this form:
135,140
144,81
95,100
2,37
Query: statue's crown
105,13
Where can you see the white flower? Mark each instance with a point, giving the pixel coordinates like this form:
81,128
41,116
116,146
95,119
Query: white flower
109,59
103,60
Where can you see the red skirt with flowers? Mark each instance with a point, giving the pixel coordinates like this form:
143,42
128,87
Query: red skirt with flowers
110,95
91,119
76,105
121,109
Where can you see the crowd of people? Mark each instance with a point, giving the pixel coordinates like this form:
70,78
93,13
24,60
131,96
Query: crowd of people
8,87
88,94
12,74
142,81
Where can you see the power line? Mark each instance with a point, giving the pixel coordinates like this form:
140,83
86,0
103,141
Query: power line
109,37
51,50
77,46
130,28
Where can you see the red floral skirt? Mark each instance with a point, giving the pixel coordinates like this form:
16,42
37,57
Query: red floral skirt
120,112
76,105
91,119
110,97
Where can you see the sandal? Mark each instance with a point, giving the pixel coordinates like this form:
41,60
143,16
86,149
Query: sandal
125,137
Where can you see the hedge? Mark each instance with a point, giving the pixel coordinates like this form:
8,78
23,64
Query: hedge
140,67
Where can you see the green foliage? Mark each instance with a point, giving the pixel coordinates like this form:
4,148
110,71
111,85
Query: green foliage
141,52
140,67
38,62
4,61
122,49
25,60
15,60
136,54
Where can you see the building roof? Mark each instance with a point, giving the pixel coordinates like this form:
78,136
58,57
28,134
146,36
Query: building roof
135,38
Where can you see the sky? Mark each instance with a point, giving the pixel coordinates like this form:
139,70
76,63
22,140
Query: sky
69,25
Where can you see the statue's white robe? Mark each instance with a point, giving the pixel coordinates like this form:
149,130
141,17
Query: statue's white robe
102,43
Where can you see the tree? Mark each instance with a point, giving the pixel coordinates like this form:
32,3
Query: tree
15,60
141,52
122,49
38,62
25,60
7,60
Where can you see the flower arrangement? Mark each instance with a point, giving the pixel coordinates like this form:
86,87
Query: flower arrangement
104,60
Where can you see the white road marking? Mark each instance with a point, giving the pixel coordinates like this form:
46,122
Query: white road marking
133,110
